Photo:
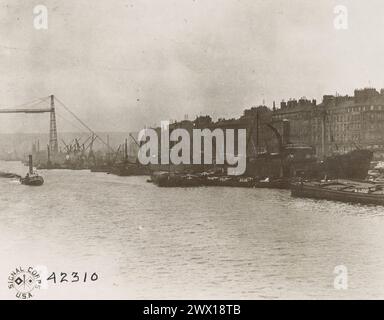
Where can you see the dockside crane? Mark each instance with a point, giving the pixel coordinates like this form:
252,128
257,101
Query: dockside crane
53,145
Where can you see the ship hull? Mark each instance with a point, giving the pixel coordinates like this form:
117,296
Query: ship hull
35,181
351,165
164,179
315,192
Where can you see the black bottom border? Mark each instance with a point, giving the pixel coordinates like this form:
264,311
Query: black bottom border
191,309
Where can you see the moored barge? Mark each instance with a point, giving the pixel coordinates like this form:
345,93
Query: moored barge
345,191
167,179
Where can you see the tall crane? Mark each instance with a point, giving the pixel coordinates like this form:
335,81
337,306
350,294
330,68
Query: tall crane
53,145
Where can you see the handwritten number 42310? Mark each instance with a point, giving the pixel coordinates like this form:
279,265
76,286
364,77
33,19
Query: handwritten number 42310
72,277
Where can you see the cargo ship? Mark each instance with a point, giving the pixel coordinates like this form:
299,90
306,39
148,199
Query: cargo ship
299,160
352,165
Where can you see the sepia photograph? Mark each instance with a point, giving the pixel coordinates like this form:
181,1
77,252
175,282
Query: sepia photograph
190,150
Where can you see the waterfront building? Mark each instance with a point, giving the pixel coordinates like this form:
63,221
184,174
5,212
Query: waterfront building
339,123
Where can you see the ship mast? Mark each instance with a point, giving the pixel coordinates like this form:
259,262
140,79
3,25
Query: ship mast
30,164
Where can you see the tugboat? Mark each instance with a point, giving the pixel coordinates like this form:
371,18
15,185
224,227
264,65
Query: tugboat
32,178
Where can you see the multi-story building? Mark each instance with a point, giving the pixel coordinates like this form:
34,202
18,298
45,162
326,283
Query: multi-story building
300,115
336,125
339,123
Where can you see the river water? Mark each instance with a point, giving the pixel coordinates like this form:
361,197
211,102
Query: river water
194,243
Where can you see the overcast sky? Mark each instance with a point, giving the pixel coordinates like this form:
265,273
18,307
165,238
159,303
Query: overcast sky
123,64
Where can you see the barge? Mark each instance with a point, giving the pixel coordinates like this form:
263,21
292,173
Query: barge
344,191
166,179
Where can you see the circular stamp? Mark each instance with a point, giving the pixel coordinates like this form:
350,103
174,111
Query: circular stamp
24,281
